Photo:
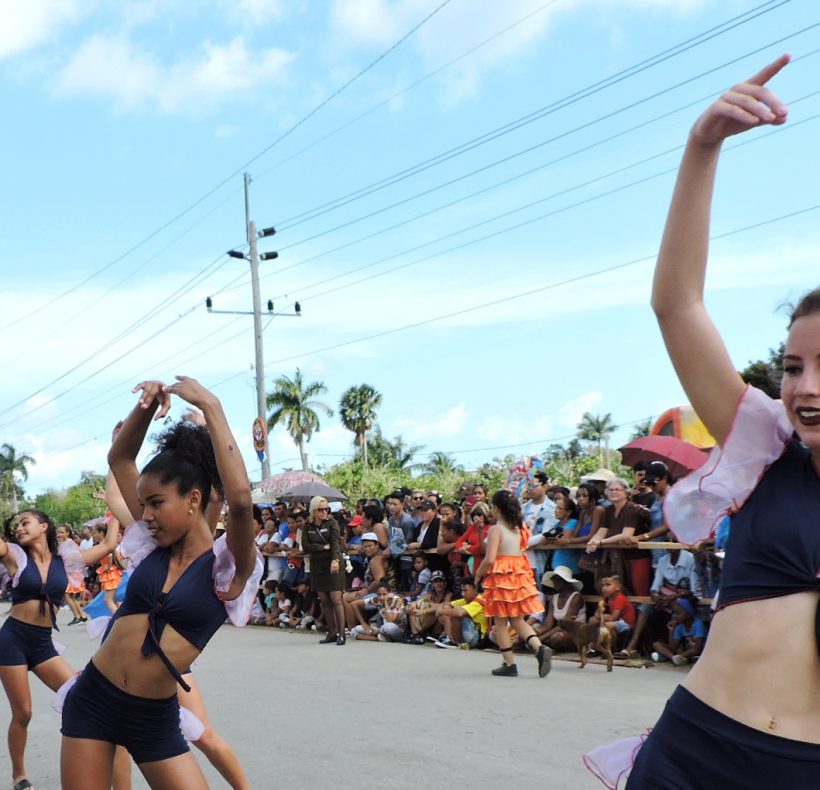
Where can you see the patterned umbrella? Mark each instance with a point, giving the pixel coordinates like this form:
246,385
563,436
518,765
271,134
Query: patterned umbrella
272,488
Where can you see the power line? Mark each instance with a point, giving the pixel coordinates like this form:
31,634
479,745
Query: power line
421,80
559,104
532,220
235,173
530,292
600,119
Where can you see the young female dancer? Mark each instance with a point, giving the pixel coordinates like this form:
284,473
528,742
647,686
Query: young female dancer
744,717
178,595
76,585
215,748
509,589
40,573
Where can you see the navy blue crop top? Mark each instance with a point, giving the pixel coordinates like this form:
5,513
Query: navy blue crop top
774,543
30,586
191,607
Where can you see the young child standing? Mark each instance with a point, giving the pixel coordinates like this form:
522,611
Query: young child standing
420,579
509,588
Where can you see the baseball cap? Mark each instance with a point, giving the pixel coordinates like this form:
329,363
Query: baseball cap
428,505
355,521
437,575
370,536
656,469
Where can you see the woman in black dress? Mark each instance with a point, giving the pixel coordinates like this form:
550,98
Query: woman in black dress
321,539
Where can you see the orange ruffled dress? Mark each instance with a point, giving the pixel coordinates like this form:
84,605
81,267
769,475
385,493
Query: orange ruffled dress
509,587
109,574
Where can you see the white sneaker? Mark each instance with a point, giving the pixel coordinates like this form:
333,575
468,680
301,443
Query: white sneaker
656,657
680,661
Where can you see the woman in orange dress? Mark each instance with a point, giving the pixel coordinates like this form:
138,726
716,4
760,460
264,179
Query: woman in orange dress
110,574
509,588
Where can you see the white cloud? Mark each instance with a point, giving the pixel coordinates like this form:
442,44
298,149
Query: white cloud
260,12
569,415
26,25
421,427
224,131
114,68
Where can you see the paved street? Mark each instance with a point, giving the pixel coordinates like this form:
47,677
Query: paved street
303,715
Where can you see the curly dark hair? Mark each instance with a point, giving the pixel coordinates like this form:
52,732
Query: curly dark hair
509,508
185,455
51,532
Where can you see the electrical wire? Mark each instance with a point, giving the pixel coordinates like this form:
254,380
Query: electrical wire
531,204
606,117
530,292
524,120
235,173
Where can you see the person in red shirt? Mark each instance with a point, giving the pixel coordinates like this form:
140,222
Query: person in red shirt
471,544
620,613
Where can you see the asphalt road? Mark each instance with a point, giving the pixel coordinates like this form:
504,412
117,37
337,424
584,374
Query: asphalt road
370,714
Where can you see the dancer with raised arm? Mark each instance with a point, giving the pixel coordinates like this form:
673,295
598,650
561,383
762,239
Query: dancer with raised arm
41,571
215,748
745,717
182,587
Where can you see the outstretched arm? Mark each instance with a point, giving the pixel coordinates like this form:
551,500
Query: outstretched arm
696,349
122,457
106,546
239,528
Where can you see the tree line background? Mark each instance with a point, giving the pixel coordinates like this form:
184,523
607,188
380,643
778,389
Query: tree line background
378,464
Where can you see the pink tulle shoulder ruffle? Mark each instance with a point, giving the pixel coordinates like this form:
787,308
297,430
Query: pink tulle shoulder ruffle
239,609
73,562
21,558
136,544
612,762
758,436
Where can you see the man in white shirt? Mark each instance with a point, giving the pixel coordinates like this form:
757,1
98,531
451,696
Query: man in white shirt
539,517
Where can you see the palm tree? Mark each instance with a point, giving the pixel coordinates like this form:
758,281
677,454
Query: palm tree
12,464
357,411
441,464
396,454
598,429
293,403
642,429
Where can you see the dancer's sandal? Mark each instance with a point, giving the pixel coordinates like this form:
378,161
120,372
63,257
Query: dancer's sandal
23,784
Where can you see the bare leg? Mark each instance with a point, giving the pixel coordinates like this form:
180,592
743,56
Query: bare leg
176,773
75,607
502,639
86,764
211,744
109,600
15,684
121,779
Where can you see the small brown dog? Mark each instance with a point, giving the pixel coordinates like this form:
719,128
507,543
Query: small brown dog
591,635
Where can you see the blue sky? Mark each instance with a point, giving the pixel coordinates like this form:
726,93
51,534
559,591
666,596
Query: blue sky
510,275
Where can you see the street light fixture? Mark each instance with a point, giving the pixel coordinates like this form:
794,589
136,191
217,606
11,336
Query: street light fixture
269,256
265,232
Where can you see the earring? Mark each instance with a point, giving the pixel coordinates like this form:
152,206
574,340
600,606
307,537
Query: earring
190,511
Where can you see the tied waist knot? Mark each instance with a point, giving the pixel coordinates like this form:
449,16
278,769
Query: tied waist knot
150,646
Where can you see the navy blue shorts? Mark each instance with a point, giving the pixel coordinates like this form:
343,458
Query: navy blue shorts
693,747
23,643
97,710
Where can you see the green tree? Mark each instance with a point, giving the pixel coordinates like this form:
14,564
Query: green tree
11,465
766,374
357,411
441,464
76,504
642,429
395,454
598,429
567,464
294,404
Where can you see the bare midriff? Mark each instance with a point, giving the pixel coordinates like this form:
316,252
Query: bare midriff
29,612
761,666
121,660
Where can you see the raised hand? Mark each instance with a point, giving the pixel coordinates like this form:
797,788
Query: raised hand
153,392
747,105
191,391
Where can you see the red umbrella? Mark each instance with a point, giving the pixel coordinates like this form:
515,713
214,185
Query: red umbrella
681,457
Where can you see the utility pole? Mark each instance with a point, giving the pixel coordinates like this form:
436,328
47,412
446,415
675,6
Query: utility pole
261,410
253,259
